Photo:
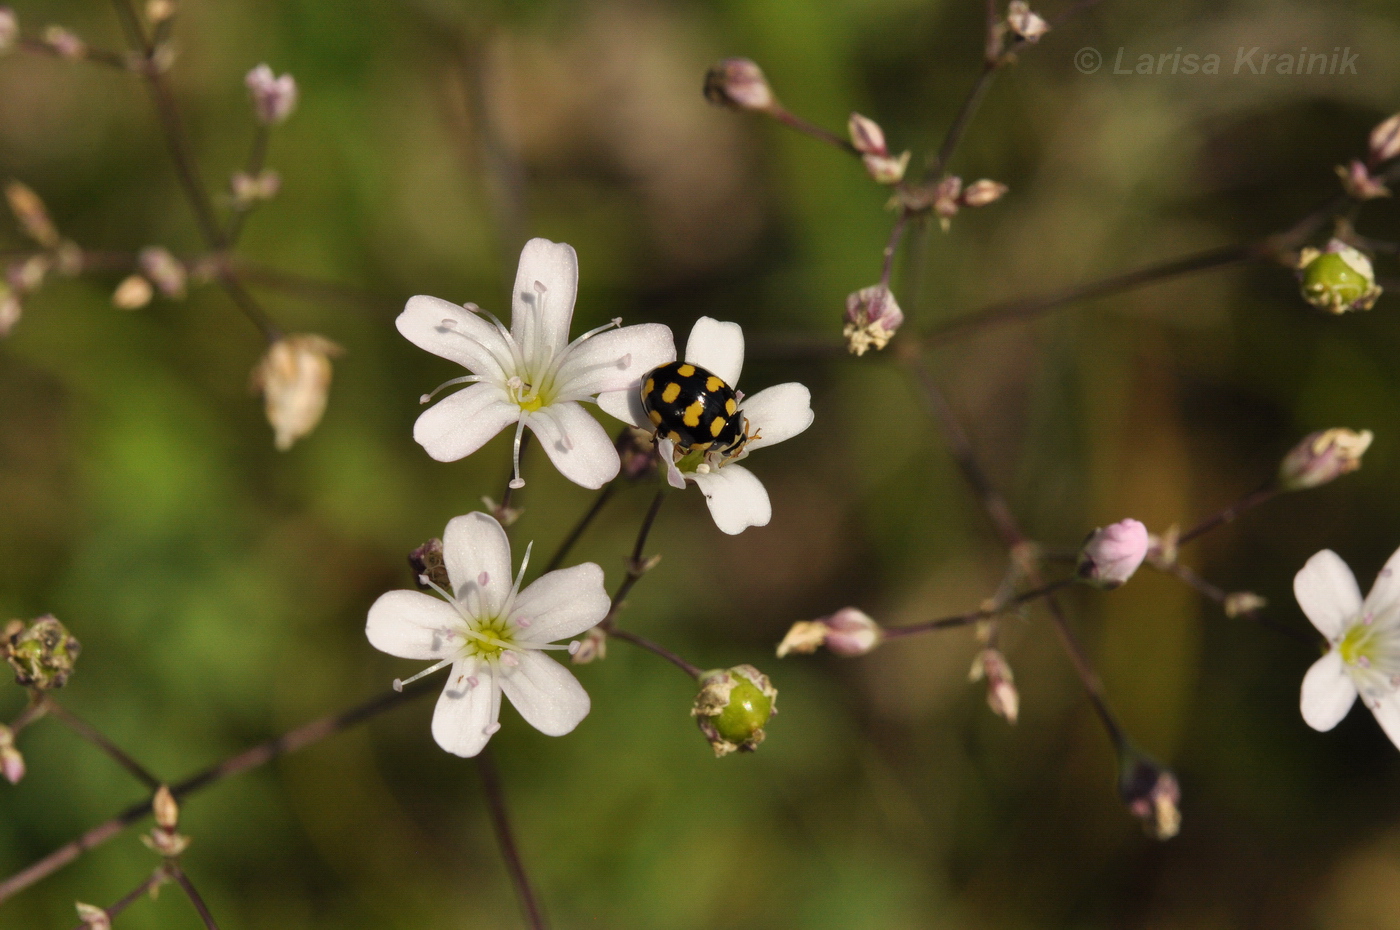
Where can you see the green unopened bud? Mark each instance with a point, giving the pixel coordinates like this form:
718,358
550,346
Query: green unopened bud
42,653
732,707
1338,279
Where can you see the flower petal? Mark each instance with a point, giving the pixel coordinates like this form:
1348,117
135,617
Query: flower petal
454,333
542,304
575,443
1384,598
458,425
1326,590
472,546
1328,692
778,413
1388,716
625,406
547,694
718,347
413,625
737,499
562,603
463,718
616,360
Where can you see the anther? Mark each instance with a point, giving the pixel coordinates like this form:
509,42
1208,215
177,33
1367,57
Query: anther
523,622
574,647
473,681
483,579
491,730
448,323
509,660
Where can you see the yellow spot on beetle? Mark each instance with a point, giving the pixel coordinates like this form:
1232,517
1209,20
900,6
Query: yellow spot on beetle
651,386
716,427
685,371
713,384
655,417
672,391
673,436
691,417
730,407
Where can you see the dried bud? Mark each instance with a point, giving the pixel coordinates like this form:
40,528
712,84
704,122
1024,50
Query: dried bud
274,98
295,379
637,450
133,293
1164,549
42,653
429,566
1022,21
166,810
884,169
980,193
732,707
738,83
1358,182
1322,457
848,632
1243,602
249,189
27,276
158,11
33,217
1112,553
1338,279
165,271
165,843
9,29
1385,140
866,135
947,199
1152,795
11,761
64,42
1002,696
592,647
93,917
10,309
872,318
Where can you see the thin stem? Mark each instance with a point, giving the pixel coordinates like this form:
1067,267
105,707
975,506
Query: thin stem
958,128
793,121
637,566
694,671
515,462
1218,595
1253,499
98,56
157,878
184,882
892,246
91,734
986,613
584,522
257,157
1088,677
291,741
36,709
496,802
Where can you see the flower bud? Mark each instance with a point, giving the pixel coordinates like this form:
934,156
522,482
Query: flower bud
1385,140
1022,21
27,276
249,189
9,29
10,309
1358,182
592,647
866,135
980,193
1337,279
133,293
1002,696
32,215
165,809
42,653
64,42
732,707
884,169
637,450
1322,457
740,84
428,565
295,379
158,11
11,761
165,843
274,98
1152,795
165,271
872,318
93,917
1112,553
1243,602
849,632
947,198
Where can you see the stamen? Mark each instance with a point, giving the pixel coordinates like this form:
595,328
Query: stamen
399,683
483,579
574,647
509,660
517,482
519,577
523,622
703,468
472,681
447,323
465,379
491,729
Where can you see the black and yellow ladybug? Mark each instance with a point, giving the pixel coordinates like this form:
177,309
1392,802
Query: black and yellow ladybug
693,408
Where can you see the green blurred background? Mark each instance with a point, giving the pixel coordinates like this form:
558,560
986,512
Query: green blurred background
219,587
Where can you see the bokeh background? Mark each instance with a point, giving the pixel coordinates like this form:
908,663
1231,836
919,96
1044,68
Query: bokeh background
220,588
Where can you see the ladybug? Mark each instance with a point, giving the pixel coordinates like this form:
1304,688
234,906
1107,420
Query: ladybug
694,409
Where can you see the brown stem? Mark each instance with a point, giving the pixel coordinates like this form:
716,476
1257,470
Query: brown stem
636,566
98,56
496,802
793,121
959,620
584,522
184,882
261,754
91,734
694,671
958,128
892,246
1253,499
1219,596
157,878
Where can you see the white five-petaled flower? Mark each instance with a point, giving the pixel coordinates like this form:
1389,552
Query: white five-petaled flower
531,374
1364,642
737,499
493,635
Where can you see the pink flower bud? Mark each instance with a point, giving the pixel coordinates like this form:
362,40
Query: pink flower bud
1358,182
64,42
1385,140
1002,696
1112,553
980,193
866,135
1322,457
11,764
738,83
165,270
872,318
93,917
1024,22
849,632
886,170
274,98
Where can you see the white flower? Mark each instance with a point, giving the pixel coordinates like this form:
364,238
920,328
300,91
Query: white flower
1364,638
530,374
736,498
492,634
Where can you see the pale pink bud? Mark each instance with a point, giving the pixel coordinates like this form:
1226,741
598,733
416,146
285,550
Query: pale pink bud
274,98
9,29
64,42
1358,182
592,647
1002,696
166,810
133,293
165,270
11,764
872,318
93,917
295,379
1322,457
158,11
866,135
1024,22
1112,553
1152,795
886,170
32,215
980,193
849,632
1385,140
738,83
248,188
